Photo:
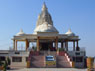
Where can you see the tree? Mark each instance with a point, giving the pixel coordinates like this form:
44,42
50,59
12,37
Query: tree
0,62
8,61
5,66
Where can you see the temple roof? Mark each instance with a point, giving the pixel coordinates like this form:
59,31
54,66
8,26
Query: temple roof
44,22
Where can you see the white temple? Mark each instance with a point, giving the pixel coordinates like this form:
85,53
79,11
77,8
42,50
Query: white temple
47,39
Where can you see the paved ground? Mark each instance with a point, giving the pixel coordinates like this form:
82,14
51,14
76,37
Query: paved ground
48,69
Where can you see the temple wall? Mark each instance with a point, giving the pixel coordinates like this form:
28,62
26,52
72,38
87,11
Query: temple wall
19,64
73,53
79,64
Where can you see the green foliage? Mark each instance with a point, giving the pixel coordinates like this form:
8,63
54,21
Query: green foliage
34,48
8,61
1,63
5,66
4,69
61,49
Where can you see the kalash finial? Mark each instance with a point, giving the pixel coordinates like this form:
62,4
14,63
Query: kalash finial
69,30
21,30
44,7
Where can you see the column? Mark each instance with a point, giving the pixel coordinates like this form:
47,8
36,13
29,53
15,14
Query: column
61,44
66,45
27,44
77,43
56,43
38,44
73,45
77,46
14,44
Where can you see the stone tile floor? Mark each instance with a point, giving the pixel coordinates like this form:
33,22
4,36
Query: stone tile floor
48,69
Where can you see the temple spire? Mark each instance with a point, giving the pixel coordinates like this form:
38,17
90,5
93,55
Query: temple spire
44,7
44,16
44,22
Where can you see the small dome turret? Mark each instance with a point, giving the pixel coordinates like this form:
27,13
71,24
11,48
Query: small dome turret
70,33
21,33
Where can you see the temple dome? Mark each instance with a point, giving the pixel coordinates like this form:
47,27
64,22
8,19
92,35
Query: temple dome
45,27
21,33
70,33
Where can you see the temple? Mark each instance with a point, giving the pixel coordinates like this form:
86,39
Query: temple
48,42
45,35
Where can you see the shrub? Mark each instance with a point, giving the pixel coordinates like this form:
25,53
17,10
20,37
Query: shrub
8,61
5,66
61,49
34,48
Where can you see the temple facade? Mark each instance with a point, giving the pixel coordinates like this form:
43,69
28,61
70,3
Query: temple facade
48,43
45,34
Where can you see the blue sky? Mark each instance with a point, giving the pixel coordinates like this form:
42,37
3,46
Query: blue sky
79,15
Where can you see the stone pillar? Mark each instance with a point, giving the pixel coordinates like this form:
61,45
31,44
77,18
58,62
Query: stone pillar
56,43
38,43
77,47
27,44
77,44
66,45
61,44
73,45
14,44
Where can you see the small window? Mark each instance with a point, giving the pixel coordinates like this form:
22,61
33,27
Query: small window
16,59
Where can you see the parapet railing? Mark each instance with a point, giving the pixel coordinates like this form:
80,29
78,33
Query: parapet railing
71,49
69,60
82,48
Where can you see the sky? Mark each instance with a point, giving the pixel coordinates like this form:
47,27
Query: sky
79,15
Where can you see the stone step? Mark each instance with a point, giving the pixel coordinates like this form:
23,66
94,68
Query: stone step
37,61
62,62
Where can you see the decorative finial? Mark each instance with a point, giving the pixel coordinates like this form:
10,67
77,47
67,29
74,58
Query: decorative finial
69,30
21,30
44,3
44,7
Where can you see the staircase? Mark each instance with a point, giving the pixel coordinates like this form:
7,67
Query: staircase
37,61
62,62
